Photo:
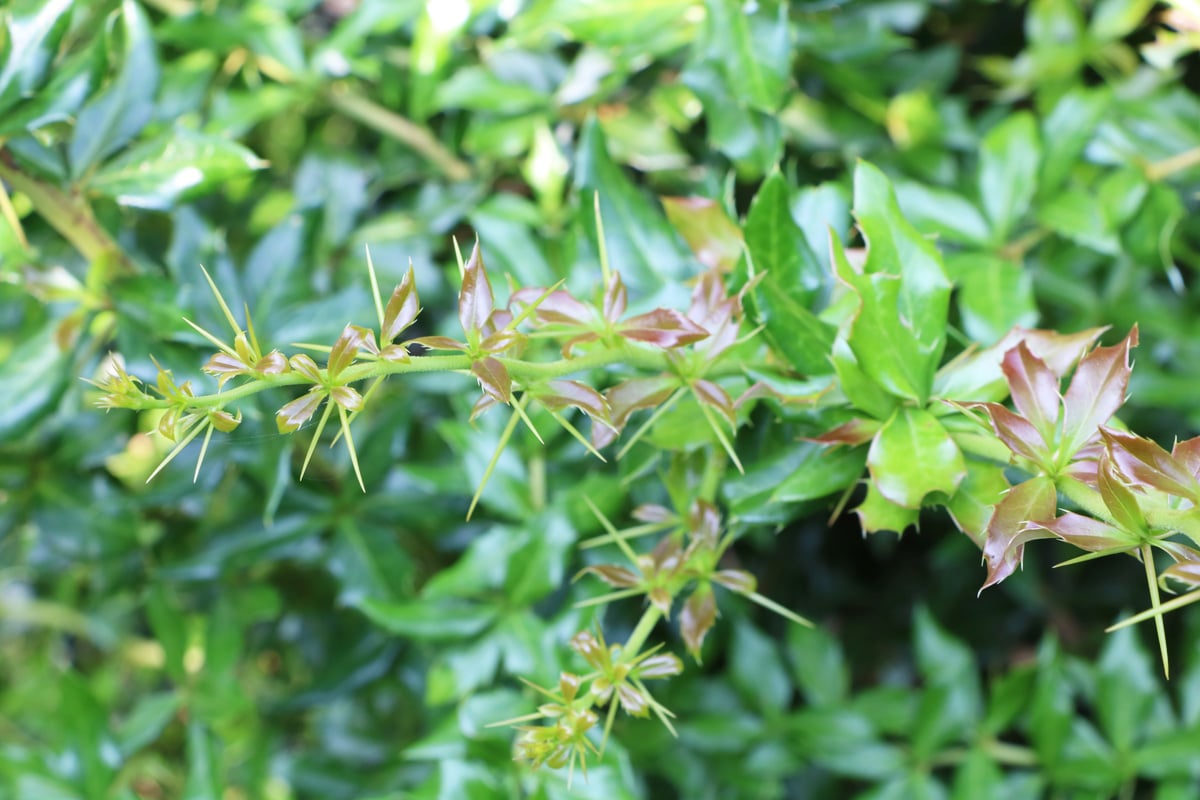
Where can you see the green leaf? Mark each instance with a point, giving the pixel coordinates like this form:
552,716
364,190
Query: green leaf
1075,215
757,671
878,514
819,665
1009,160
430,620
793,280
942,212
204,765
817,471
1067,129
899,331
34,377
912,456
973,501
34,32
1126,689
111,118
641,244
176,165
995,295
752,44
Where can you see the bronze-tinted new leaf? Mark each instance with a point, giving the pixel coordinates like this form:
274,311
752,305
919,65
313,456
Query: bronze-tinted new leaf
1007,533
1018,434
713,395
299,411
736,580
303,364
1143,461
662,327
615,298
627,397
614,575
1097,390
560,394
659,665
475,300
1034,389
698,616
859,430
1086,533
402,309
345,349
493,379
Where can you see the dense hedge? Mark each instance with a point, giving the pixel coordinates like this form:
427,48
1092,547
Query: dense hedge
641,332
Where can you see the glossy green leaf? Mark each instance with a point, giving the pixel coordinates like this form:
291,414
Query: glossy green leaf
758,671
33,378
428,620
1009,161
876,513
792,280
818,664
1066,130
995,295
642,246
817,472
33,31
175,166
111,118
912,456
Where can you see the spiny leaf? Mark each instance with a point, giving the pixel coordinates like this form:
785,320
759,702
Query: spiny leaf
1030,501
1142,460
475,300
1034,390
1097,390
402,309
662,327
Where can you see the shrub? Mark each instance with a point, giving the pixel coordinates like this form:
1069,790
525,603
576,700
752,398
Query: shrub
786,261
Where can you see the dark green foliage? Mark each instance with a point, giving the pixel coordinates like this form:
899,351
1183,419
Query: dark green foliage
781,261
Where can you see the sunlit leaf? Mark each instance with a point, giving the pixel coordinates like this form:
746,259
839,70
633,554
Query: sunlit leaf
1097,390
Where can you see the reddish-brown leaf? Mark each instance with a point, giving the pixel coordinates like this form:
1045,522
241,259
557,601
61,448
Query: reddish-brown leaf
709,232
475,299
614,298
1034,389
633,701
715,313
859,430
1144,462
662,327
713,395
698,616
558,307
591,648
1017,433
299,411
493,379
303,364
481,405
402,309
1097,390
704,523
1187,453
614,575
345,349
273,363
346,397
659,665
651,512
1086,533
1031,501
736,580
439,343
225,366
627,397
557,395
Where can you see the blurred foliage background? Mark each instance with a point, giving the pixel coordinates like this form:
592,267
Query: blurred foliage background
248,636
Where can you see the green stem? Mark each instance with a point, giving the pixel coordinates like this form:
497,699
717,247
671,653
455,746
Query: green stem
399,128
1083,496
1176,163
67,213
633,645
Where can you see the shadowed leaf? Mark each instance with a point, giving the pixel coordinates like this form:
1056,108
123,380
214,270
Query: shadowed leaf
698,616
